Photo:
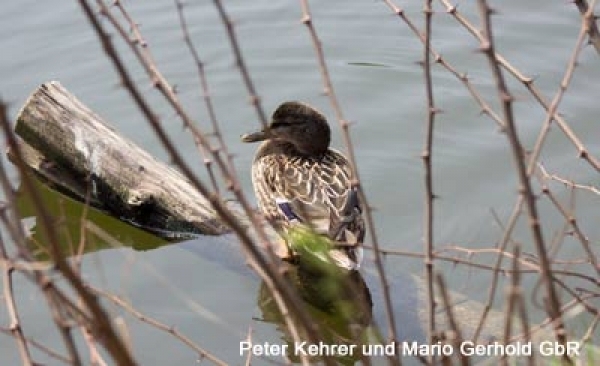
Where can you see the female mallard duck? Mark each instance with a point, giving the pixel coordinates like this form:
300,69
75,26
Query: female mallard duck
298,178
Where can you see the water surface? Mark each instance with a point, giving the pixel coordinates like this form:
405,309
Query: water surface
373,61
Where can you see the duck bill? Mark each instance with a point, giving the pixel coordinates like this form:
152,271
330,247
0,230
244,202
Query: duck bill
255,136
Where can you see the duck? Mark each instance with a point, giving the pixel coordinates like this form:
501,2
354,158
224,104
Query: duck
299,179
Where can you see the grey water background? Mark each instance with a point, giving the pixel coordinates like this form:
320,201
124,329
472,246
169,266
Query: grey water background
373,61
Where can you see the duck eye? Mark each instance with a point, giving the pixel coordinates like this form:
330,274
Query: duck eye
279,124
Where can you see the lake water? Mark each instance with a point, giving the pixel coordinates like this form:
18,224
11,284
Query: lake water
373,61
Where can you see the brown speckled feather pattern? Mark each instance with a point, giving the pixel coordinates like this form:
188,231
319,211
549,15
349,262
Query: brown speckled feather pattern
299,179
317,188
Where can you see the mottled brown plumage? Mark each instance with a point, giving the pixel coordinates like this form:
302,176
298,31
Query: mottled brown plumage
299,179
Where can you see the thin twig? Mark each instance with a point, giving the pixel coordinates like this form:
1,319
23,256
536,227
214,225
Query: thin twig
487,47
205,92
11,306
591,329
240,63
515,303
249,339
535,269
427,156
548,321
569,183
41,347
202,353
589,18
345,126
457,337
572,221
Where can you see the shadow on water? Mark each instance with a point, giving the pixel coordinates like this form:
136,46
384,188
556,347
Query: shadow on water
67,216
358,314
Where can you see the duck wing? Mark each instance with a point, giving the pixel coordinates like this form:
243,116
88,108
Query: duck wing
316,191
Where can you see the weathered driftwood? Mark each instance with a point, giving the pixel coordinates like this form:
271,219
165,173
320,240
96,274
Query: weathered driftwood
75,151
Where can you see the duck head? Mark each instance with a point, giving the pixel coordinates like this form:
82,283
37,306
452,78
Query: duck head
298,124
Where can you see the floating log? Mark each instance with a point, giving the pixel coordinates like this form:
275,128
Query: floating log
76,152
